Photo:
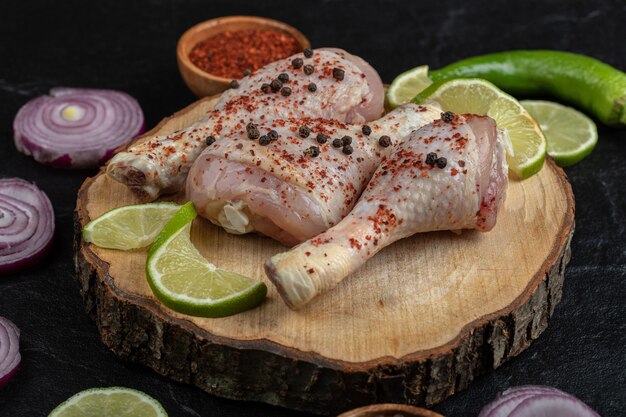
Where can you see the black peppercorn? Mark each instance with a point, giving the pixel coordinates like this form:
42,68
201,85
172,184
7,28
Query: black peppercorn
264,140
234,84
338,74
273,135
447,116
312,87
210,140
246,72
308,52
297,63
276,85
431,158
366,130
384,141
321,138
266,88
313,151
442,162
285,91
304,131
346,140
337,143
253,133
308,69
283,77
347,150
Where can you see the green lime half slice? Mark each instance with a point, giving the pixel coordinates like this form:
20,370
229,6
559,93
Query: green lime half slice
182,279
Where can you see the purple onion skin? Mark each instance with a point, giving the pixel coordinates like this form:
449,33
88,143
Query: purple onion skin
534,401
508,399
25,263
5,380
8,185
551,405
65,161
60,155
12,330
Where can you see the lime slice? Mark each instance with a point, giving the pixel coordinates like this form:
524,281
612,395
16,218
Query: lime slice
182,279
570,134
473,95
407,85
129,227
109,402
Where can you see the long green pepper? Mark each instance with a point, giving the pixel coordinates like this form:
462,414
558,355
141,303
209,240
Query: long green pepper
582,81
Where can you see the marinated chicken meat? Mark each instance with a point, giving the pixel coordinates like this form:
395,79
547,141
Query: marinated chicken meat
339,87
300,183
448,175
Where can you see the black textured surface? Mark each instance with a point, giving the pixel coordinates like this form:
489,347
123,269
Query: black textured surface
131,46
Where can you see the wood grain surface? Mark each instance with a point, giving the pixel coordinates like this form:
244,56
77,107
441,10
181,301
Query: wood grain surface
419,322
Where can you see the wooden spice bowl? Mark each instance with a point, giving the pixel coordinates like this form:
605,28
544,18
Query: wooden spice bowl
203,84
389,410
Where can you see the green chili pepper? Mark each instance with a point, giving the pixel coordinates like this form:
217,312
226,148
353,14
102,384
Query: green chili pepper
585,82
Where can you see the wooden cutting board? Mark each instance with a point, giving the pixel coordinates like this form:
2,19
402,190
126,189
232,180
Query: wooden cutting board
418,323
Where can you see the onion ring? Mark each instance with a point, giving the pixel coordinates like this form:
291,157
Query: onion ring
9,350
531,400
75,127
26,223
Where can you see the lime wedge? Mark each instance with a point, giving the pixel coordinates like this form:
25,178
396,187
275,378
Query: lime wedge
129,227
109,402
407,85
476,96
570,134
182,279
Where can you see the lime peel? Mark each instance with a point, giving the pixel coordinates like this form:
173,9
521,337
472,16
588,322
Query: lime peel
570,135
183,280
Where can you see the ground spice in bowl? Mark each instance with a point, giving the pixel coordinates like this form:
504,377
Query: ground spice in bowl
228,54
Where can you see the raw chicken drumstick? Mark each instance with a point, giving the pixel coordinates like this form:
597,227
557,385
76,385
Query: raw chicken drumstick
448,175
298,181
332,84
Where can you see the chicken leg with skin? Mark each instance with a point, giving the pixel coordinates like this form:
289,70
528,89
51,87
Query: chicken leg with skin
159,165
412,191
299,184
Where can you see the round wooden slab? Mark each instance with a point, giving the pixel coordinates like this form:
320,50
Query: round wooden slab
419,322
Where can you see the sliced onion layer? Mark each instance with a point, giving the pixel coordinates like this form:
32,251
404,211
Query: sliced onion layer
26,223
9,350
536,401
76,127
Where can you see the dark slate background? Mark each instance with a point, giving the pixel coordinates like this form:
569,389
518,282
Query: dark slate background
130,45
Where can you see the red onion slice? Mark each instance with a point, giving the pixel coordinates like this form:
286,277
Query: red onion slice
536,401
510,398
26,223
75,127
551,405
9,350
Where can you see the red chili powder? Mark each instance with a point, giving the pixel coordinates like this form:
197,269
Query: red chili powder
229,53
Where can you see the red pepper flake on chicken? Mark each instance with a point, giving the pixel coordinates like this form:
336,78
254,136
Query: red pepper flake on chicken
448,175
160,165
299,184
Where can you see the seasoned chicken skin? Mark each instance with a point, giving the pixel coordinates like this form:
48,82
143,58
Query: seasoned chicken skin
294,187
341,87
410,192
